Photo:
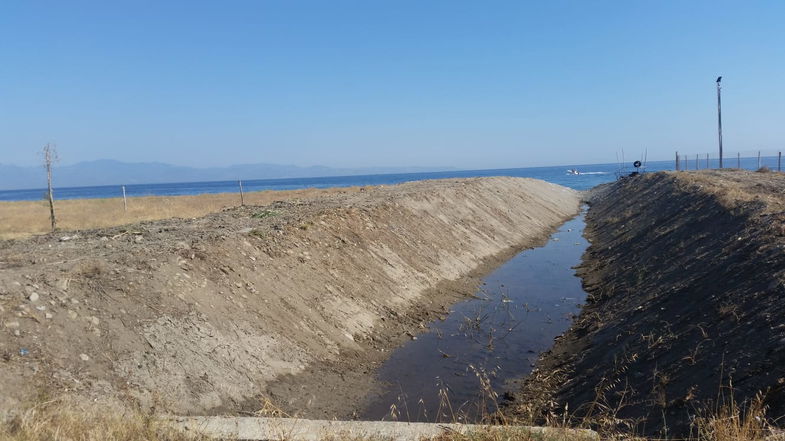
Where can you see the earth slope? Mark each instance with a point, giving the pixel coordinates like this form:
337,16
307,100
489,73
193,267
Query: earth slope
686,281
296,301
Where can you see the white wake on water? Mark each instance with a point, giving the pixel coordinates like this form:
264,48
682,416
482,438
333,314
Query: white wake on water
590,173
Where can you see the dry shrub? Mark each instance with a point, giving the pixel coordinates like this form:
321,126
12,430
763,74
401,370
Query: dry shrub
764,169
733,422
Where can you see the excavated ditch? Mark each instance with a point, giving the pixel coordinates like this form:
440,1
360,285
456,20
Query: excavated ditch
459,367
685,276
295,303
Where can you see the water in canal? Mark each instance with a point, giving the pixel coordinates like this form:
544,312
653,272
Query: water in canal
446,373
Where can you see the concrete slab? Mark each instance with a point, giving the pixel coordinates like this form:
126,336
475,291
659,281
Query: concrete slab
294,429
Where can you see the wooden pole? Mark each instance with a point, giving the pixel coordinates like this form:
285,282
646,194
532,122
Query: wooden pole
242,197
125,201
677,161
719,115
50,156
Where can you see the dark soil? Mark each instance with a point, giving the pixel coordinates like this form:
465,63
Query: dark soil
686,307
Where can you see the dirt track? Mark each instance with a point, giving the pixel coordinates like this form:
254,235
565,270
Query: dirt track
686,281
296,301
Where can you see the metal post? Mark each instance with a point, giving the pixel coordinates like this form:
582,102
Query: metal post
707,160
738,161
779,161
242,198
677,161
696,161
758,159
719,115
125,202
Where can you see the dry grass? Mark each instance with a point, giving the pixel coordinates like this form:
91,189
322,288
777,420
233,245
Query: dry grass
515,434
55,421
59,420
26,218
730,422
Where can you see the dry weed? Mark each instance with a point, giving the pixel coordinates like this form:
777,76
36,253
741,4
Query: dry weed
58,420
733,422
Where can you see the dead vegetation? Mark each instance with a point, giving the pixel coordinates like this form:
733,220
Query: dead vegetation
60,420
65,420
25,218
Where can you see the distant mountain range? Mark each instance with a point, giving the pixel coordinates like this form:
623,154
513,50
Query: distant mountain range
109,172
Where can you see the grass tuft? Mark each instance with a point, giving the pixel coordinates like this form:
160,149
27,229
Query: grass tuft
264,214
733,422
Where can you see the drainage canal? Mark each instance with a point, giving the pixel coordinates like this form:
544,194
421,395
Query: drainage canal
452,372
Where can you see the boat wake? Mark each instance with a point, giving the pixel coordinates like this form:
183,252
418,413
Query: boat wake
576,172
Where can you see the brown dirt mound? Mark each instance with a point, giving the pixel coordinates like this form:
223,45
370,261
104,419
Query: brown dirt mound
686,280
295,301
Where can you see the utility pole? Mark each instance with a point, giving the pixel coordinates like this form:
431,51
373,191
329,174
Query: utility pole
719,115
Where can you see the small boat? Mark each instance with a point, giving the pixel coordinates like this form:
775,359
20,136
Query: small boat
573,171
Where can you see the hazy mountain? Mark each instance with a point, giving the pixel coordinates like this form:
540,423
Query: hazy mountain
108,172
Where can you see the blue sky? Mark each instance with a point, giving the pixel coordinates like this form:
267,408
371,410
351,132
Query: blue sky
480,84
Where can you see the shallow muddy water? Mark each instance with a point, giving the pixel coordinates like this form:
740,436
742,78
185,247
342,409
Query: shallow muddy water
448,372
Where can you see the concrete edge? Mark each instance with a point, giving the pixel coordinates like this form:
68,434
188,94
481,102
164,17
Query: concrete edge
294,429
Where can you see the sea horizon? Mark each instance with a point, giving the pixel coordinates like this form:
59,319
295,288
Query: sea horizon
589,176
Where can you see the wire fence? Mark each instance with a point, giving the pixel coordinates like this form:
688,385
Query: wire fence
744,160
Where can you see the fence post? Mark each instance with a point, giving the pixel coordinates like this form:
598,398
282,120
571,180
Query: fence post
779,161
738,160
758,159
696,161
242,198
125,201
677,160
707,160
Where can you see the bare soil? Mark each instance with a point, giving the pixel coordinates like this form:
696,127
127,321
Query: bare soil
686,281
295,302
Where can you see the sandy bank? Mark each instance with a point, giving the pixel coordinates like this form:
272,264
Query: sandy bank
295,301
686,280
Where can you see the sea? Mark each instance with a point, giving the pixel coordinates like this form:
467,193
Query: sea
588,176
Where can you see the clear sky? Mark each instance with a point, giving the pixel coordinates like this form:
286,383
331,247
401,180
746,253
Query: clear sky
480,84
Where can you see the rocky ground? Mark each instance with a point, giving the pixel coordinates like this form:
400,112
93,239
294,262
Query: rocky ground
294,302
686,281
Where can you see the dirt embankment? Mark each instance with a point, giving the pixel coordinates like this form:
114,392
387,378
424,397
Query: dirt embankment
686,281
295,301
